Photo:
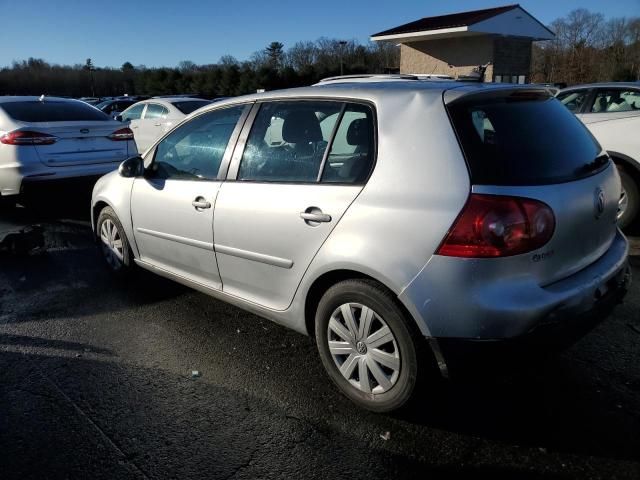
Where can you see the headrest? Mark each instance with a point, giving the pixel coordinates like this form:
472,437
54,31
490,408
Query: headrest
358,133
301,126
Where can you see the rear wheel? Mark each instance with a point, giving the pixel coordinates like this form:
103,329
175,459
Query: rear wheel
629,203
368,346
113,242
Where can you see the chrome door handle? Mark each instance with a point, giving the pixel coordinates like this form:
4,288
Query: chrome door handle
201,204
315,217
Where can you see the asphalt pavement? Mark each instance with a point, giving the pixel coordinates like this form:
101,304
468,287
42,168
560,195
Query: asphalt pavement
148,379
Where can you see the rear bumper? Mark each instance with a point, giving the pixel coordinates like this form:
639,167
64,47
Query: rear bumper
556,331
14,177
459,298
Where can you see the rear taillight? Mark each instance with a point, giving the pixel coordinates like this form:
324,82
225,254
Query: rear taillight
25,137
122,134
499,226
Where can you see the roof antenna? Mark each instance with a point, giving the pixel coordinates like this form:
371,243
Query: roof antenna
41,98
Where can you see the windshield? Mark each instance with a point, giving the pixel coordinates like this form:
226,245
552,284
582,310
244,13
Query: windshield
188,106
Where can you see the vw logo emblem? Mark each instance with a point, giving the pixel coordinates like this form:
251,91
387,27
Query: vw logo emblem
598,202
361,348
84,130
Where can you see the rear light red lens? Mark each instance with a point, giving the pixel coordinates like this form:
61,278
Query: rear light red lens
122,134
499,226
24,137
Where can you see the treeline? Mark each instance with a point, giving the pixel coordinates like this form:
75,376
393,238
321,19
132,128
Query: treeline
588,48
272,68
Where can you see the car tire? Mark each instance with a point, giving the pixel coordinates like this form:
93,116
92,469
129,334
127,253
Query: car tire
631,198
406,346
113,243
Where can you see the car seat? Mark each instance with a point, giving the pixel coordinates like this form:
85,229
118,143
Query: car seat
304,143
356,168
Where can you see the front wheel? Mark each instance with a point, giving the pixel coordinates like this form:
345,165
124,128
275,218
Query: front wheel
113,242
367,346
629,203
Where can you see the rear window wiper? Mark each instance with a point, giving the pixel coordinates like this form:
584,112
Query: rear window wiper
597,163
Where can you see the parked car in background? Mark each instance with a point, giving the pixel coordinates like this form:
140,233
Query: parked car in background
152,118
394,220
46,138
611,111
115,107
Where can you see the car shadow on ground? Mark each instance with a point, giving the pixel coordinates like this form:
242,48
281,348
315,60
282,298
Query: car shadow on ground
63,199
91,417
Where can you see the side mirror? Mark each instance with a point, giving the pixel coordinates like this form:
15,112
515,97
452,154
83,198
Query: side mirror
119,118
131,167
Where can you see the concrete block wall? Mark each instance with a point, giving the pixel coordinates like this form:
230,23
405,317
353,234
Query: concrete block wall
509,56
435,56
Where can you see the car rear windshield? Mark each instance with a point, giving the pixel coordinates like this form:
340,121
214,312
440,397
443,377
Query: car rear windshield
35,111
190,106
523,138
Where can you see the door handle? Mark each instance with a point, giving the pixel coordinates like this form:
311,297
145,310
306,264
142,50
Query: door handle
315,217
157,124
201,204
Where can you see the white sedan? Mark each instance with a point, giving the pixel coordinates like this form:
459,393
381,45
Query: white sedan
151,119
43,139
611,112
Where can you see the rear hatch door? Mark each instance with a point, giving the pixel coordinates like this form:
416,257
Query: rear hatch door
81,143
525,143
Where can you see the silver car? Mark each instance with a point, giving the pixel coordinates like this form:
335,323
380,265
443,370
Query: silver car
394,220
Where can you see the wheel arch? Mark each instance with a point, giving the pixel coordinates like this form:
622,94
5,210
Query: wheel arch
326,280
630,165
95,212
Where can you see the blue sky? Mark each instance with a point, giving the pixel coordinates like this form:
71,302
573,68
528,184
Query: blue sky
164,32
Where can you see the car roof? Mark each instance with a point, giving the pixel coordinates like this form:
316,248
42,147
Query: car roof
635,85
372,89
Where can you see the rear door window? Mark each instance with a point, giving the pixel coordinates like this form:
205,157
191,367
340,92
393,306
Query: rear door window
52,111
287,142
133,113
523,138
353,147
155,111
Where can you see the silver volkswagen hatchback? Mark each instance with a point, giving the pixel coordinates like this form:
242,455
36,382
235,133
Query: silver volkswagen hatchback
394,220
